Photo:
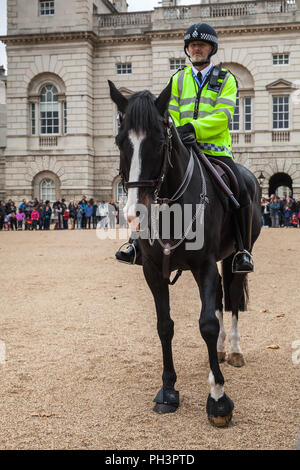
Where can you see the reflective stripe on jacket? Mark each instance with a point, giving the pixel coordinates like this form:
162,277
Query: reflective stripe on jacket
215,110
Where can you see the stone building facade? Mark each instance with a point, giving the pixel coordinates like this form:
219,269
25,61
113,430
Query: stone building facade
2,129
61,123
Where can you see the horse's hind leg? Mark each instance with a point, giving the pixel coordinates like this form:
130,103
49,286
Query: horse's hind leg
219,315
238,302
219,406
167,399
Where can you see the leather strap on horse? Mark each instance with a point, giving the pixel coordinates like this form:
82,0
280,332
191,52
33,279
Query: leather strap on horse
228,172
210,168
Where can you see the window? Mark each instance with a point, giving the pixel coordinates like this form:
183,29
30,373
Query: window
121,192
247,113
124,69
280,112
176,64
32,118
49,110
280,59
47,190
65,117
46,8
234,125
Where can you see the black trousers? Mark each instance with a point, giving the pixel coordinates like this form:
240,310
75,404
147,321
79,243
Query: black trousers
244,198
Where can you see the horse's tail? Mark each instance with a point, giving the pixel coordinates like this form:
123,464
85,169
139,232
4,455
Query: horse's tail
235,287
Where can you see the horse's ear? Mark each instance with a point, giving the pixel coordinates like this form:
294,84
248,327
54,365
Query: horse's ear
117,97
163,100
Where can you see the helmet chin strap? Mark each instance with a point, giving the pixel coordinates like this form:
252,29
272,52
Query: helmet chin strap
203,62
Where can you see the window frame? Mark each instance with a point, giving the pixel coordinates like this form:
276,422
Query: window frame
246,114
181,62
48,110
275,129
124,68
236,115
284,56
46,7
42,197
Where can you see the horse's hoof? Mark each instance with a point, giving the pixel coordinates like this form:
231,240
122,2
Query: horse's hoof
219,412
161,408
221,356
167,401
220,421
236,359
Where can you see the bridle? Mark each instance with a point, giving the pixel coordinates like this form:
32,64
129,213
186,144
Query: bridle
157,183
170,246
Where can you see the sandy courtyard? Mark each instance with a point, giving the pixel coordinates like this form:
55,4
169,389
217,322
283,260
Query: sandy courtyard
83,358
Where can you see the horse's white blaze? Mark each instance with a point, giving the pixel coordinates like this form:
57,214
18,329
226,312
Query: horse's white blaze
234,337
134,174
216,390
222,333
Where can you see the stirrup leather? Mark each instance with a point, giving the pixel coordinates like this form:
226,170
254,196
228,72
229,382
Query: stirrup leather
134,258
241,252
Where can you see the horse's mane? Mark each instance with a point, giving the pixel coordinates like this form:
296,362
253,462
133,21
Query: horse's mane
141,113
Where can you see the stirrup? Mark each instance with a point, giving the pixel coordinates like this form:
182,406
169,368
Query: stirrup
134,258
241,252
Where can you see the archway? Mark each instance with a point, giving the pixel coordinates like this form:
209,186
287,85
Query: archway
46,185
281,184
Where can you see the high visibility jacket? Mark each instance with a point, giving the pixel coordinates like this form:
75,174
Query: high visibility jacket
215,110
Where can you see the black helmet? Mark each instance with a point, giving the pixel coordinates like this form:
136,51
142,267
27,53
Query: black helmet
201,32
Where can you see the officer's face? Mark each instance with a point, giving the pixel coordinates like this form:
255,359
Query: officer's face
199,50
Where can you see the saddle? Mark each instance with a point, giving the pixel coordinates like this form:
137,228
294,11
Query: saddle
221,174
227,175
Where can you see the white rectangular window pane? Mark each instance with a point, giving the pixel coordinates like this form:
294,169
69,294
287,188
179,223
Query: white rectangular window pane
176,64
280,59
280,112
124,69
46,8
248,113
234,125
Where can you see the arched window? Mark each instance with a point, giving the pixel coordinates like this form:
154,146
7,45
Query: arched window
49,110
47,106
47,190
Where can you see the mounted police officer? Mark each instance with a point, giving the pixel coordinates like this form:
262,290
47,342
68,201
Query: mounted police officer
202,103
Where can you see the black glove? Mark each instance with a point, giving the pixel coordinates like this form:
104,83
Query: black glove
186,134
186,129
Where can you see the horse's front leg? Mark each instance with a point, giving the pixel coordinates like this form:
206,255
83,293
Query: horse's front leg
219,406
167,399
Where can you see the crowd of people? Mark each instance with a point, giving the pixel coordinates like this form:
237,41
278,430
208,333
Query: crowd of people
280,212
41,215
88,214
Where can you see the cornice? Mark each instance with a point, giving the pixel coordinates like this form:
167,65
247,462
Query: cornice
16,39
143,36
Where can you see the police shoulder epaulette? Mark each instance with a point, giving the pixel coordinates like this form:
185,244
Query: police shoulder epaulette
229,71
179,70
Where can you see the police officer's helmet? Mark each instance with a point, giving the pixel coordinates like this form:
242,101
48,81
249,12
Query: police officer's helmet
201,32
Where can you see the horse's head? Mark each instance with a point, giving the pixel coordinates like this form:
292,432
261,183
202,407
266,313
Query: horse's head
141,141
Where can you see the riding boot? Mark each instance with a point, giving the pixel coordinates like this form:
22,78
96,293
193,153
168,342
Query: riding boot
130,255
243,261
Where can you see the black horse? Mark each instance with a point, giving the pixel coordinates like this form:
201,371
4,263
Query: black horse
154,162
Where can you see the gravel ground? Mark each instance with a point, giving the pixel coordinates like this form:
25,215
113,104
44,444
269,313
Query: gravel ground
83,358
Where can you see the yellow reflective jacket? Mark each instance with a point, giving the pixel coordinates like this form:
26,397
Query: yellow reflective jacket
215,110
